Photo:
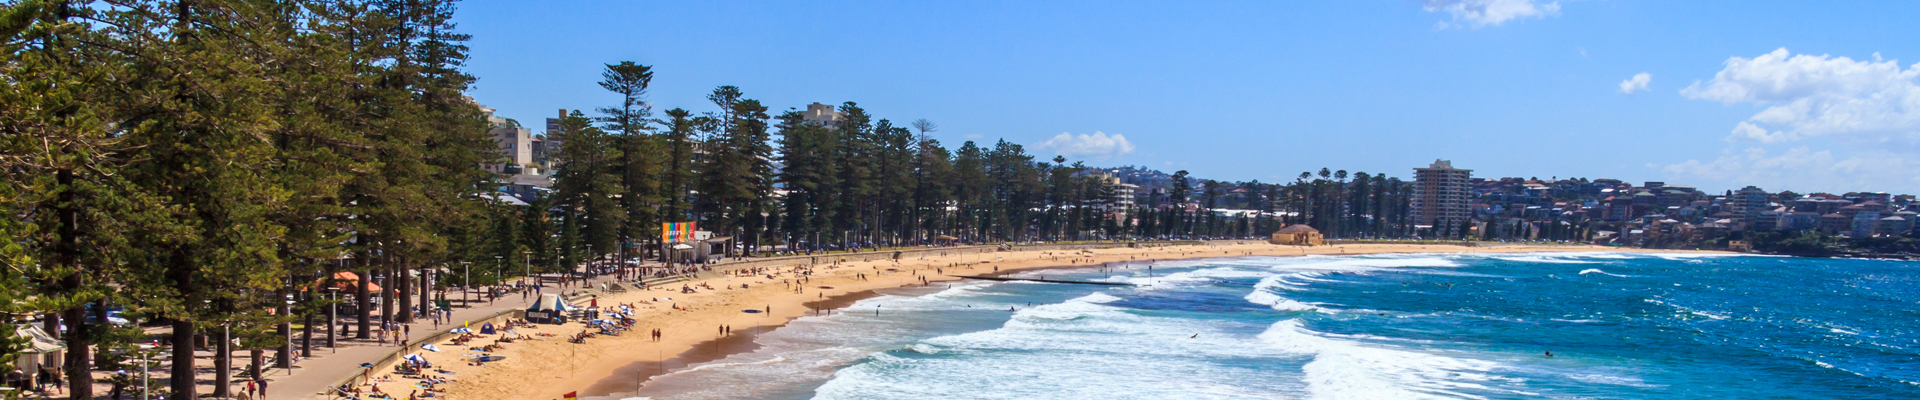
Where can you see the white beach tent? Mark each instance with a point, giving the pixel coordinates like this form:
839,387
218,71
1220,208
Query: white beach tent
550,309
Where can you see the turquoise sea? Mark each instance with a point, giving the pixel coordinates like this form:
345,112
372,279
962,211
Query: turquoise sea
1407,326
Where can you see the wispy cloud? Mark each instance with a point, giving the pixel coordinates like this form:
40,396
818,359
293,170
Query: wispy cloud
1638,83
1804,169
1098,145
1851,124
1811,96
1479,13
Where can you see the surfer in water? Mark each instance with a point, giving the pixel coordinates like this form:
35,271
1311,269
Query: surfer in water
1549,353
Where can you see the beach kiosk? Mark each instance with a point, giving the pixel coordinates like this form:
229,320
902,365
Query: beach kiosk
1298,235
551,309
42,352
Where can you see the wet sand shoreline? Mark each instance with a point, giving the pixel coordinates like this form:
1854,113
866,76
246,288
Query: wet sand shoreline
631,378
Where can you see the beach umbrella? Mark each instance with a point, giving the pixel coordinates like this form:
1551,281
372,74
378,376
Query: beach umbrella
461,330
430,347
413,357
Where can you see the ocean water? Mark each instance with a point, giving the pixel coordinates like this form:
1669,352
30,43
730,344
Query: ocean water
1409,326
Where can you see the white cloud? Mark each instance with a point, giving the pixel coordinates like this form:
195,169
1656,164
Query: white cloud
1479,13
1638,83
1804,169
1097,146
1870,102
1851,124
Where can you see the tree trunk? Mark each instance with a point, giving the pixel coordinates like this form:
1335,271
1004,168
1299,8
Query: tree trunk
79,362
386,290
406,291
182,381
426,290
255,370
79,356
306,330
223,364
285,351
364,303
180,273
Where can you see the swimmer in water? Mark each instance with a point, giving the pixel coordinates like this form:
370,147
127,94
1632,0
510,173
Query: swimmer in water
1549,353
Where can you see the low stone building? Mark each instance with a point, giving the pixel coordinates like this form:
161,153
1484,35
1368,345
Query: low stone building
1298,235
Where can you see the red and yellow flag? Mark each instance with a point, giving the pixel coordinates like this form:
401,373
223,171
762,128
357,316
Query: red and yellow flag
571,395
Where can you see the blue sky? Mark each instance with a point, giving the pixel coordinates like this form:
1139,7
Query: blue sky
1265,90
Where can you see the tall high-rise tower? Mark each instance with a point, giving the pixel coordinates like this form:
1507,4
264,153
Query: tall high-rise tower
1441,195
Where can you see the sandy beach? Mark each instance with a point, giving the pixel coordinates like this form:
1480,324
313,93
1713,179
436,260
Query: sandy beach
546,367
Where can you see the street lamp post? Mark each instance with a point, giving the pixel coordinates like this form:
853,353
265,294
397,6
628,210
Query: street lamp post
498,280
145,356
466,275
333,314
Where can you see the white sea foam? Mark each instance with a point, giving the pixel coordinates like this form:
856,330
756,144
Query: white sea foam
1708,314
1083,348
707,366
1545,259
1344,369
1692,256
1142,278
1598,271
1610,380
1361,263
1266,298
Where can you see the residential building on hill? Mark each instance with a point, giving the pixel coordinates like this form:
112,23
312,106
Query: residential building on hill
821,114
1747,205
549,145
1442,195
516,144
